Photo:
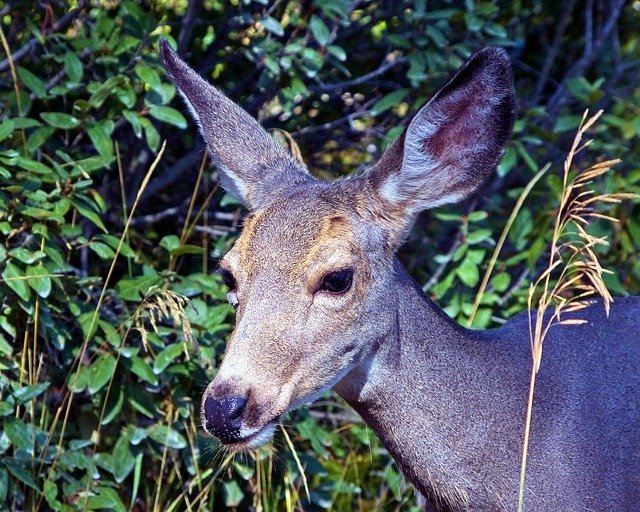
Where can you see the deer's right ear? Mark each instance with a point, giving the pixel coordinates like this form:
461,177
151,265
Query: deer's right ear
451,145
253,168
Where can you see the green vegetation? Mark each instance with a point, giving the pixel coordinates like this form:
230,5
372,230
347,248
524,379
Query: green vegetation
111,323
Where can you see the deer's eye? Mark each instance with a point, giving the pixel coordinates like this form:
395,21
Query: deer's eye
338,281
230,283
227,278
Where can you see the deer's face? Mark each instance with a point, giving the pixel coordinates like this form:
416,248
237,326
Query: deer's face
310,280
312,275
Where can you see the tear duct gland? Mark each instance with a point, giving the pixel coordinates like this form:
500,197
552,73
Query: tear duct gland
322,302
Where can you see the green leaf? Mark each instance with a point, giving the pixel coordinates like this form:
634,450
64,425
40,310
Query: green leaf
166,357
122,460
27,393
148,75
16,469
39,280
26,256
468,273
168,115
105,498
338,52
474,23
24,122
89,213
477,216
103,250
105,90
142,369
134,288
272,25
133,121
500,282
388,101
6,128
5,348
170,242
17,432
164,435
319,30
233,495
50,493
113,406
479,235
39,137
101,372
14,278
114,241
33,165
101,139
60,120
32,82
150,133
73,67
88,324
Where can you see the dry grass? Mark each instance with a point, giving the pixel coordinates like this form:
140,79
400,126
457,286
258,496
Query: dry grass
573,274
160,304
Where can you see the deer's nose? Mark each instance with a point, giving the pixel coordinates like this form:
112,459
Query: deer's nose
223,417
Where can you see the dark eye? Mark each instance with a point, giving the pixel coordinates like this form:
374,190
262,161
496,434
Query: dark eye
227,278
230,283
337,282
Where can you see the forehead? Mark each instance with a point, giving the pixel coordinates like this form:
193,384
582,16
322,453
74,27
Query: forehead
291,231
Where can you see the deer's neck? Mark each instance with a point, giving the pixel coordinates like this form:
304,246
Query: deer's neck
429,391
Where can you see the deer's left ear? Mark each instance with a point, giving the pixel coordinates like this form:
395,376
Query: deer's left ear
452,144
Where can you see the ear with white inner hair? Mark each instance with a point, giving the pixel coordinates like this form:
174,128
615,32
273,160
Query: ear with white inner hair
452,144
253,168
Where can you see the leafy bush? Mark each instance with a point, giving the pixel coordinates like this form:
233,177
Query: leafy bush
112,324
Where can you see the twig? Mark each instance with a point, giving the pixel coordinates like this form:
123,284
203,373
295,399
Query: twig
386,66
362,111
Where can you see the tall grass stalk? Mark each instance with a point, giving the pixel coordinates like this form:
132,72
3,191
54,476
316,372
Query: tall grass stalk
573,273
503,237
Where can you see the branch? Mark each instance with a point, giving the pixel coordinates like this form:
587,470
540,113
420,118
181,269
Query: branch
591,51
555,45
188,23
386,66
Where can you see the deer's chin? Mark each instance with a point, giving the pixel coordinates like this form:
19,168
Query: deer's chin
253,439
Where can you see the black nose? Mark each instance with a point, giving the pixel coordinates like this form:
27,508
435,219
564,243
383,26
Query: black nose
223,417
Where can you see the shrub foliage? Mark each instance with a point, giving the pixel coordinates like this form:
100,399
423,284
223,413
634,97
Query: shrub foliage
111,321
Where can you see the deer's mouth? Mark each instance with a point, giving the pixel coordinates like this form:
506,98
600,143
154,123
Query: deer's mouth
251,440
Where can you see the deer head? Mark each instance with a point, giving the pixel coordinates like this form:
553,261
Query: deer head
311,276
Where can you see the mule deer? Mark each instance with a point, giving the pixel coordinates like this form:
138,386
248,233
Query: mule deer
322,302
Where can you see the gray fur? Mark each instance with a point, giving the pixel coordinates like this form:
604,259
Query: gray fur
253,168
447,402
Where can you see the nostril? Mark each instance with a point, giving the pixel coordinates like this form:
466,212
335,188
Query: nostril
223,417
234,406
